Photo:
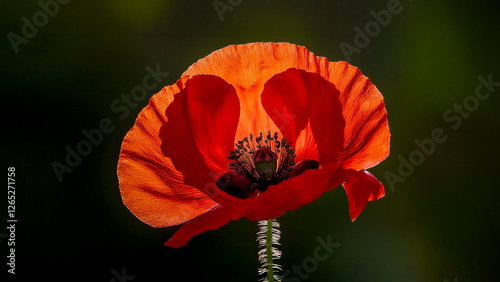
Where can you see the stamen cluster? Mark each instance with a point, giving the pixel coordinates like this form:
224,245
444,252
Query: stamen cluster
245,157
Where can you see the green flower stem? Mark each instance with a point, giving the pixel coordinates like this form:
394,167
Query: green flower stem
269,250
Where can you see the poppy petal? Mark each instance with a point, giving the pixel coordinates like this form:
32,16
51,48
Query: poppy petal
248,67
285,99
150,185
314,103
212,220
200,131
278,199
361,187
351,112
366,135
293,193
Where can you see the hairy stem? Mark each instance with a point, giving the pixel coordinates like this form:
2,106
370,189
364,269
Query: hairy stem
269,250
268,237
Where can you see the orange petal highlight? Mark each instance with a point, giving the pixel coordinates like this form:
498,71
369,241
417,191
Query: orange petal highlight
366,135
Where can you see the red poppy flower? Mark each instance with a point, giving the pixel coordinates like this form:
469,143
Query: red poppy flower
294,126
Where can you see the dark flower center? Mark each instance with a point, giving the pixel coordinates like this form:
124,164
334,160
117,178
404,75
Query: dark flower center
257,164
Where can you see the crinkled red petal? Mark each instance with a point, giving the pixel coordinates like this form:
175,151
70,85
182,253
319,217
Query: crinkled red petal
366,134
199,134
314,103
278,199
361,187
151,187
249,66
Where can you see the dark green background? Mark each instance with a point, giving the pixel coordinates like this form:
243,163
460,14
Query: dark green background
441,223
